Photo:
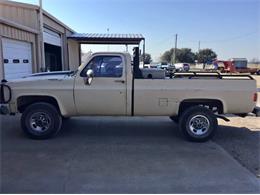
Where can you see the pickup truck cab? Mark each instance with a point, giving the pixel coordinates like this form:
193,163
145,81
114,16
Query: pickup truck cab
110,84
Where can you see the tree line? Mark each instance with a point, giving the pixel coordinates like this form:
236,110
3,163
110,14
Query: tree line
185,55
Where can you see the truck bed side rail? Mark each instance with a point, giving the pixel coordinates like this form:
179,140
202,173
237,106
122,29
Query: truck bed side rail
192,74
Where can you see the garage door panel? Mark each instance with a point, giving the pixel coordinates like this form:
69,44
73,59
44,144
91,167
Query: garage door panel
17,58
17,53
14,76
14,68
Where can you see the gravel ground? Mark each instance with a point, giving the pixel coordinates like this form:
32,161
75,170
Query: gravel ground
241,139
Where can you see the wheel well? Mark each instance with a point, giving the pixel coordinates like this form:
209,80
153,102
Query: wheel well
215,105
25,101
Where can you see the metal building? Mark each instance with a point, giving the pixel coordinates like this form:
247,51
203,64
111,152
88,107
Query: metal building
21,39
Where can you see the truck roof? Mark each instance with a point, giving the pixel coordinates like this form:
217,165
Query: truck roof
240,59
110,52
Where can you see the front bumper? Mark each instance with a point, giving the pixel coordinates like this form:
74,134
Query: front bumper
5,98
4,109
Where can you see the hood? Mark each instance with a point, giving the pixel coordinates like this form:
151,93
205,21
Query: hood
59,75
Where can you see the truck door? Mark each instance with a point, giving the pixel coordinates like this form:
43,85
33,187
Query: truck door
106,94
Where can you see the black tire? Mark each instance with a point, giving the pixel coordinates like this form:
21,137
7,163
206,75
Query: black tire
41,115
257,111
258,72
174,119
198,124
64,118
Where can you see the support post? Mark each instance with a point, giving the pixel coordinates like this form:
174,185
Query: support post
143,51
43,68
176,37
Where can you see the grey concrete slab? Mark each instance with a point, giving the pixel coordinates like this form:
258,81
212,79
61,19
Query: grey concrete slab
118,155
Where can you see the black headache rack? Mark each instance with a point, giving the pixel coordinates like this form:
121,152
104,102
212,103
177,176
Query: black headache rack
5,93
216,74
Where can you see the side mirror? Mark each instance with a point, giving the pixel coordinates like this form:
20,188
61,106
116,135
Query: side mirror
89,77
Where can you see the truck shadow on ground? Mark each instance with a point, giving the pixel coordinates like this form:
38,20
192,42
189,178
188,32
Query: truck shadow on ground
120,126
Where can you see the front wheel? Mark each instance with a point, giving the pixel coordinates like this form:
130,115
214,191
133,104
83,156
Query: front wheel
41,121
198,124
174,119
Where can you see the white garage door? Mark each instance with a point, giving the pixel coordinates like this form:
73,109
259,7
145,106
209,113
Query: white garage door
17,58
51,37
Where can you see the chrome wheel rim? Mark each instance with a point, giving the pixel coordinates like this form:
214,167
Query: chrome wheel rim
199,125
40,122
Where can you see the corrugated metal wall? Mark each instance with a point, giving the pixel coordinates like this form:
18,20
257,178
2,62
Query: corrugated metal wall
21,22
15,33
20,15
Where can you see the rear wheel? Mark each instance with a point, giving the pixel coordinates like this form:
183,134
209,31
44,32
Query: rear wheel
198,124
41,121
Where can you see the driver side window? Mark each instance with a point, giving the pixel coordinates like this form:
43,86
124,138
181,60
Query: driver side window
105,66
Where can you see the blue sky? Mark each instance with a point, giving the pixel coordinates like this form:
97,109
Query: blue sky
229,27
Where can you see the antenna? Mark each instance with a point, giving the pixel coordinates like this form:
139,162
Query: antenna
108,48
175,48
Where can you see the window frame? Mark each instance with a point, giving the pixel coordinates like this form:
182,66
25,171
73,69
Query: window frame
102,56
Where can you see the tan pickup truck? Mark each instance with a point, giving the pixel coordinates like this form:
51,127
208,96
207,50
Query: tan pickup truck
111,84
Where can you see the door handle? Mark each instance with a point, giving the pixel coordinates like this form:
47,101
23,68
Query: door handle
119,81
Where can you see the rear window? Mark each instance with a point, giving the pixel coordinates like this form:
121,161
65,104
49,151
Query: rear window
240,64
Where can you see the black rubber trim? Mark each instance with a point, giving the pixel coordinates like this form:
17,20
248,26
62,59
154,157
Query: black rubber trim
133,96
2,95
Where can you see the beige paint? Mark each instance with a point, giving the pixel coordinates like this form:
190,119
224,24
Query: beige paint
52,25
73,50
15,33
163,96
20,15
99,98
20,21
60,88
153,97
